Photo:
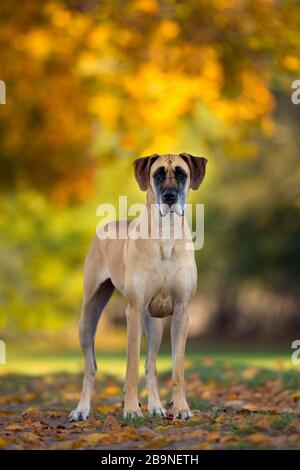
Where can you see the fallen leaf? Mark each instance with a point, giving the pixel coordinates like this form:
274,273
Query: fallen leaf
213,436
3,443
205,446
220,418
154,444
263,423
226,439
30,411
257,438
104,409
250,373
15,427
93,438
111,390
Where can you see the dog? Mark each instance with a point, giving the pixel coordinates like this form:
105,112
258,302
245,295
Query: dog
157,276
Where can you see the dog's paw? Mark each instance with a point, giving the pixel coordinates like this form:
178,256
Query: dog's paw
184,413
132,412
79,414
157,411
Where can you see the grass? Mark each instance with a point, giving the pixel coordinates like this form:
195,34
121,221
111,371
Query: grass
242,397
23,359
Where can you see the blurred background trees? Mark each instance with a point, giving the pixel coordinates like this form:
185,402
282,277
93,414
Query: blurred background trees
91,85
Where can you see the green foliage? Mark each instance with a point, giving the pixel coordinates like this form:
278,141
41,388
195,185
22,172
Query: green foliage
90,88
42,249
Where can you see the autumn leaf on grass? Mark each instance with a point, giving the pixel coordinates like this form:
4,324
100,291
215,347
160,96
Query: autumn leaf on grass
15,427
220,418
88,440
30,411
146,433
213,436
295,394
3,443
263,423
94,438
257,438
197,418
233,396
54,414
104,409
198,433
82,425
230,438
111,422
66,445
205,446
32,439
249,373
130,433
154,443
260,408
111,390
161,427
296,426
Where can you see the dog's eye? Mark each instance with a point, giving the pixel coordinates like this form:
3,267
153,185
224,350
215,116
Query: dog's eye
180,174
159,174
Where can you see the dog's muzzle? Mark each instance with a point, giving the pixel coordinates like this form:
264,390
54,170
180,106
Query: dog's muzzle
171,201
170,196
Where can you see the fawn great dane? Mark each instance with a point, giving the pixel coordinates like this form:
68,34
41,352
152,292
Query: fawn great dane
157,275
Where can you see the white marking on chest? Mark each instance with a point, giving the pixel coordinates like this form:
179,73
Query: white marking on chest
166,251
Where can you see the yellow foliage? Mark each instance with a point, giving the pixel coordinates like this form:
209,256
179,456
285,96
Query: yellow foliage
126,78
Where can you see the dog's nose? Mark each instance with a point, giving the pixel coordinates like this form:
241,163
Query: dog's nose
170,196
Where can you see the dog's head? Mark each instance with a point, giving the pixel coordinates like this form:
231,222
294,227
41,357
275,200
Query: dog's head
169,178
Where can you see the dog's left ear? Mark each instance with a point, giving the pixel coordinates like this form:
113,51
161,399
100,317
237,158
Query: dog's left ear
197,167
142,169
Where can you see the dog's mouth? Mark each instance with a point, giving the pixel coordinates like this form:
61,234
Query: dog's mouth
176,208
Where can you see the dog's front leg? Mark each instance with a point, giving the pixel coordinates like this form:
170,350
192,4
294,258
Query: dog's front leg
179,331
131,403
154,330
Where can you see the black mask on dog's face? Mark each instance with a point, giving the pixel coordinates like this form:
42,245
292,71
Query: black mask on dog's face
170,185
170,177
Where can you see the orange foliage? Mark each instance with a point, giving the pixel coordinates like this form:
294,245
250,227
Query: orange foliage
128,77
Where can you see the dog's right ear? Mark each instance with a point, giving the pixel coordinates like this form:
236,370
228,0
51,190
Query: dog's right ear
142,169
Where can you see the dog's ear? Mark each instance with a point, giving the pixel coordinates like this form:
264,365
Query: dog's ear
141,170
197,167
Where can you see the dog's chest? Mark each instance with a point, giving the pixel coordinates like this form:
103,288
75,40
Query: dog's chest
166,281
166,252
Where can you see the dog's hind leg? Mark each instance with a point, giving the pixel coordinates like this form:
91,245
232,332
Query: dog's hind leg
154,331
91,312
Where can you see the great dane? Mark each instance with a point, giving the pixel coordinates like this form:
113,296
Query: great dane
156,274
